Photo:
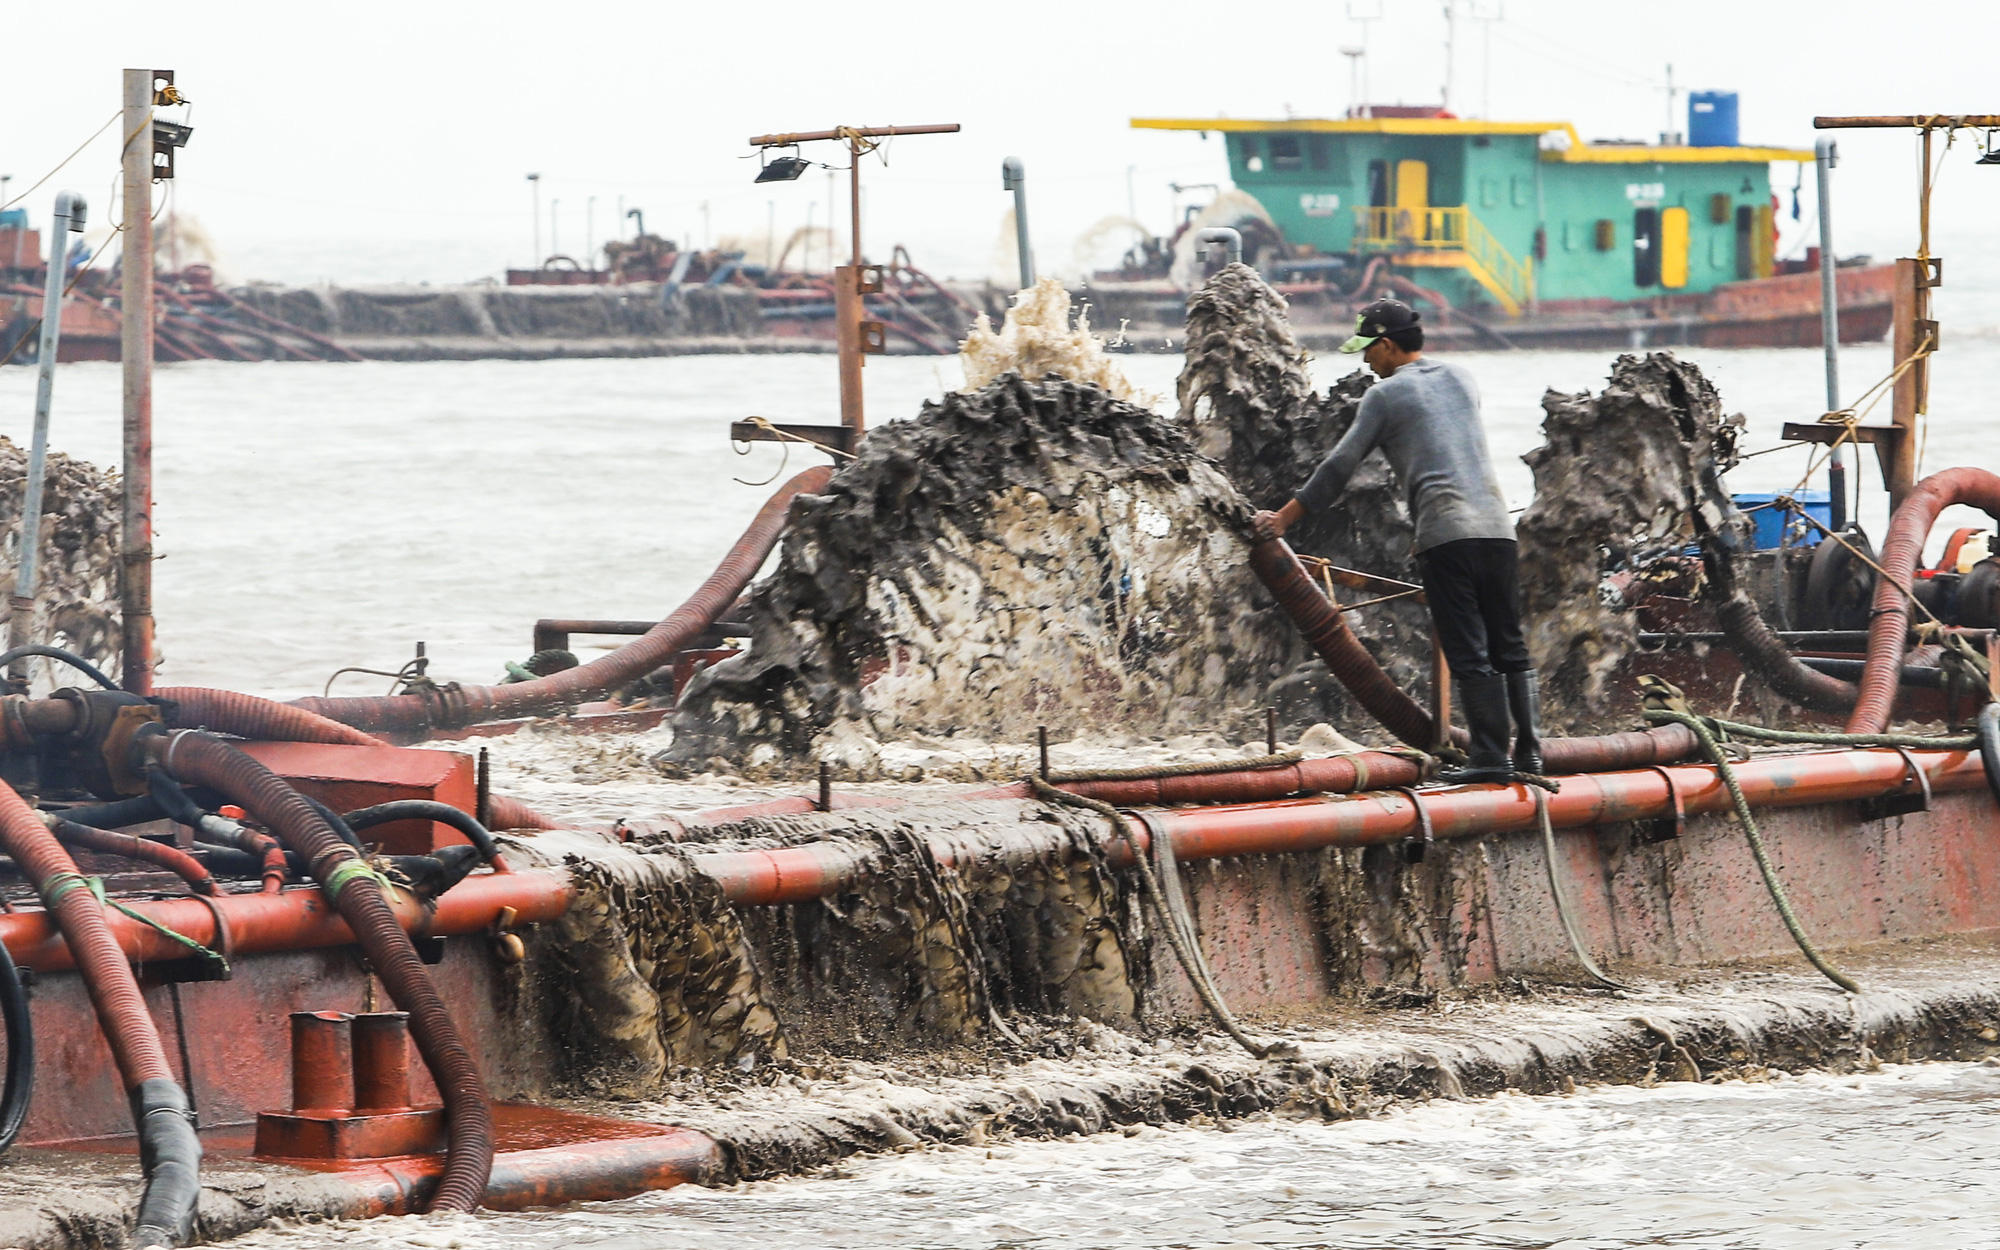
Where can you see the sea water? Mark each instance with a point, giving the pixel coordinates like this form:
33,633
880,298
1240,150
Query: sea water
316,516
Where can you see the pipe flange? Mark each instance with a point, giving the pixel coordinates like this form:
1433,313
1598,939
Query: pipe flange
14,723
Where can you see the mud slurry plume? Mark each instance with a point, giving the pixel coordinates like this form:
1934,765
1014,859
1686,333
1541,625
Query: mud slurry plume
1622,479
77,583
1248,403
1031,553
1038,338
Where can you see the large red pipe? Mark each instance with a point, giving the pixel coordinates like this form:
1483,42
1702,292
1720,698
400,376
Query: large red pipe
455,706
360,897
126,846
261,720
298,919
802,873
1325,629
1902,549
86,934
1334,774
552,1176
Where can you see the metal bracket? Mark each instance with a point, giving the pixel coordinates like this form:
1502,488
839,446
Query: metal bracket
118,746
1888,439
868,280
1930,272
1413,850
1902,803
874,338
1665,828
838,437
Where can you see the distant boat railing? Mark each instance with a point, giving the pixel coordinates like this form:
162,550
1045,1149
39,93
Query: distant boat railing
1441,230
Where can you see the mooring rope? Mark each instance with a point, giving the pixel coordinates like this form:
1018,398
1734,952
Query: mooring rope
1186,948
1716,756
1563,912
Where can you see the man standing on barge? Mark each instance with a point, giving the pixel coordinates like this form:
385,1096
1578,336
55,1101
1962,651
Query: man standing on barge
1424,415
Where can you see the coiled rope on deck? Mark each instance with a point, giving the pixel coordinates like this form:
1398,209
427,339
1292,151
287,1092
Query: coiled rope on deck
1177,925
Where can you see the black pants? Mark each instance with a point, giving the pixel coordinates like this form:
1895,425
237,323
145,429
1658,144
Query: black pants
1473,586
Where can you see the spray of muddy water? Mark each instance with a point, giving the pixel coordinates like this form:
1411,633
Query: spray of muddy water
77,592
1039,337
1658,432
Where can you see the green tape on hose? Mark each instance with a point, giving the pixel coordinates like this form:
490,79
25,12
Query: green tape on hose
348,871
59,884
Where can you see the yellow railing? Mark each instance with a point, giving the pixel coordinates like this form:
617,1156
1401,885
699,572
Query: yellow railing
1448,236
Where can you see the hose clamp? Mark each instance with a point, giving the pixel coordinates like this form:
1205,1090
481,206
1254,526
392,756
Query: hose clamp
225,944
1413,849
1665,828
1902,802
174,739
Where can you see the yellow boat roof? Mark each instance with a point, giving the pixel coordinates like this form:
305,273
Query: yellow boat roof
1577,150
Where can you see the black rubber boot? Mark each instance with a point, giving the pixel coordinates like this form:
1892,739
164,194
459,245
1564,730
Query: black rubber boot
1524,701
1482,701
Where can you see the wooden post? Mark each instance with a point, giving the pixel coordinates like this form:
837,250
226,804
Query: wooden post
847,318
135,295
1911,329
1440,697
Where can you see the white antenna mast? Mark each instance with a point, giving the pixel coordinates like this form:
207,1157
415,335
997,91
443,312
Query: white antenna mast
1354,57
1450,37
1486,14
1363,12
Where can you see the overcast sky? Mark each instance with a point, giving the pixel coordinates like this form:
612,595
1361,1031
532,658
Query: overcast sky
376,141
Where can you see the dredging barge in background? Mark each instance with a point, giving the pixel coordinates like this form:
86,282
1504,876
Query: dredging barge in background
231,911
1520,234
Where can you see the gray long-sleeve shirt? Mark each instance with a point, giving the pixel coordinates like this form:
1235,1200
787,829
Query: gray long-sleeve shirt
1425,418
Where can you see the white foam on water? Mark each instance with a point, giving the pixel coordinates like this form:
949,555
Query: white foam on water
1814,1160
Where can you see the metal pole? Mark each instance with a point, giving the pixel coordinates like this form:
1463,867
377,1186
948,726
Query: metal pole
1450,33
535,188
69,215
135,345
850,306
1825,153
1014,177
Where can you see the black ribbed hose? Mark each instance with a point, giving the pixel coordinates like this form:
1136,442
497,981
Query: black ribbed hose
20,1089
170,1155
425,809
198,758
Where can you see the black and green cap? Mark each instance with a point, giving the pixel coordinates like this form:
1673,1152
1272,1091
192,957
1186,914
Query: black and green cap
1384,316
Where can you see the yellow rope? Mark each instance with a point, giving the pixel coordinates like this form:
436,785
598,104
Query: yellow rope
1851,417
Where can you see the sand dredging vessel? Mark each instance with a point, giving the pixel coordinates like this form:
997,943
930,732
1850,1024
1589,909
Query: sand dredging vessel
229,920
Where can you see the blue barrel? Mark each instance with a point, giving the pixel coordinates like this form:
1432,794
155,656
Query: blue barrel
1712,119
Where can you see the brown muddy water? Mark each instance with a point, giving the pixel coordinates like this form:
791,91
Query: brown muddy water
1907,1156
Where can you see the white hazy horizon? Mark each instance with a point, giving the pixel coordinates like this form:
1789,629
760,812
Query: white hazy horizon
391,143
